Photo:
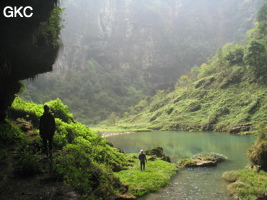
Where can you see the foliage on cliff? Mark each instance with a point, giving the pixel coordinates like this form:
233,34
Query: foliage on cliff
229,90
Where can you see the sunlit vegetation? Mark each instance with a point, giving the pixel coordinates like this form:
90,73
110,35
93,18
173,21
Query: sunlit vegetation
156,175
227,91
257,154
247,184
82,158
92,94
104,76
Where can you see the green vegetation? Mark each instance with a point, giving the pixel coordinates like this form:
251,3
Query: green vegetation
82,158
93,94
257,154
227,91
156,175
251,183
187,162
197,160
100,77
210,156
9,135
247,184
51,28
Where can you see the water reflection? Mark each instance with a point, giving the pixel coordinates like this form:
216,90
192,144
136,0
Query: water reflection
197,183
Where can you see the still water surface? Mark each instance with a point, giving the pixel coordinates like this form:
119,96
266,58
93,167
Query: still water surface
193,183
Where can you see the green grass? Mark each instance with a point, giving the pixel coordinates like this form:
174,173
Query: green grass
120,128
246,184
156,175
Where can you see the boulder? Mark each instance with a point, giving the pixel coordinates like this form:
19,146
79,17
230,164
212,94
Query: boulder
204,163
157,151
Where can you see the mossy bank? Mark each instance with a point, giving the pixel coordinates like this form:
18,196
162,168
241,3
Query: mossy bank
82,159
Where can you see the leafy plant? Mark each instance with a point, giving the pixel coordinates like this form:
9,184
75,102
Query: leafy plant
10,134
29,162
257,154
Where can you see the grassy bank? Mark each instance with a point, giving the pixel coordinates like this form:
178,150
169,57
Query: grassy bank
107,131
247,184
156,175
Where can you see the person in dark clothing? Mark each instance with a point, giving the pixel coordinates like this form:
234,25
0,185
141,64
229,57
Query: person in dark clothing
143,160
47,128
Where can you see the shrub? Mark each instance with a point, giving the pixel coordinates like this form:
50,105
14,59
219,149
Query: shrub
61,110
246,184
29,162
257,154
186,162
78,168
9,134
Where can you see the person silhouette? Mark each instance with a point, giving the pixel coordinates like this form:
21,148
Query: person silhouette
47,128
143,160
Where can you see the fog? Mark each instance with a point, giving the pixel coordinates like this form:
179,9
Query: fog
130,48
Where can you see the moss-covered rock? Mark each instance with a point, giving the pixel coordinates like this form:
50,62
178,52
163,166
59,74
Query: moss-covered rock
257,154
202,160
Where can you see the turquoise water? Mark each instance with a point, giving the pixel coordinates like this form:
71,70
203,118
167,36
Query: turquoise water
193,183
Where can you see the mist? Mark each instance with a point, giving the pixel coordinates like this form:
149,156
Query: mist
117,52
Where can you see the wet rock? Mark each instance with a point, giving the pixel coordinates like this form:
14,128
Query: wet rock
262,196
152,158
166,158
24,126
207,127
240,128
204,163
126,197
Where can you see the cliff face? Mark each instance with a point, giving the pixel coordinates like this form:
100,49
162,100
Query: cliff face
161,38
25,49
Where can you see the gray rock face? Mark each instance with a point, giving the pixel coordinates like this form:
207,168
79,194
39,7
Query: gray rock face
161,38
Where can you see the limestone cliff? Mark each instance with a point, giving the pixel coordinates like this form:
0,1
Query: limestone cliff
161,38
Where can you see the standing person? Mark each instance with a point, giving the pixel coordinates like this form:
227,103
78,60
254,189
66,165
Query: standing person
47,128
143,160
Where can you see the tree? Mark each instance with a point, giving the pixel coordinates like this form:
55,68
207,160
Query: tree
255,56
262,13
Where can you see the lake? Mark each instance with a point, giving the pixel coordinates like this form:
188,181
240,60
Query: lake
193,183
